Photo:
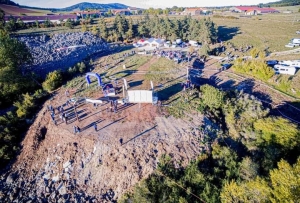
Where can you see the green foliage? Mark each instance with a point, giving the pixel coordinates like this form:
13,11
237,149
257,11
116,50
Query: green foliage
53,81
212,97
284,186
256,68
82,67
276,130
69,23
286,182
25,107
241,111
13,54
95,30
203,30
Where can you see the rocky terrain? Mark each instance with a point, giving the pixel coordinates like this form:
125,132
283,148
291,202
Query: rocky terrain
52,53
57,165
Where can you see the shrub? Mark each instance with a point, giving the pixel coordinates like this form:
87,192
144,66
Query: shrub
53,81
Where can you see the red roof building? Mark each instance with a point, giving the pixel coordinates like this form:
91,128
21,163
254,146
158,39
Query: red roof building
249,9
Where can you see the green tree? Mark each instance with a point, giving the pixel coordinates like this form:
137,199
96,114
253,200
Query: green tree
204,51
20,24
47,22
69,23
53,81
286,182
10,26
26,106
95,30
37,24
82,67
2,19
212,97
84,28
277,130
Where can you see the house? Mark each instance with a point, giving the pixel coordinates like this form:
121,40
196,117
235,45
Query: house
52,18
121,12
84,14
192,11
252,10
135,11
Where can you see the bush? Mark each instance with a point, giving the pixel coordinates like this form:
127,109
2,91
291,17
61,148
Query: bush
26,106
53,81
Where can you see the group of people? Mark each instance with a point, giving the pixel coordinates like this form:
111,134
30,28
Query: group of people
172,55
186,85
62,114
113,106
76,129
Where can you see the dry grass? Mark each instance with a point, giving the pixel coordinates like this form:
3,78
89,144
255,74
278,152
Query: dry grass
271,30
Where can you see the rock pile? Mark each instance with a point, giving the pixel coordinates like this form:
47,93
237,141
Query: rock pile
52,53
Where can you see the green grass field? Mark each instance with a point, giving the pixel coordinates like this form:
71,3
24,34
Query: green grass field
262,31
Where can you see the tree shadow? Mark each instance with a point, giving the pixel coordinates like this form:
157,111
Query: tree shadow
112,123
248,85
288,110
140,134
229,84
227,33
166,93
90,125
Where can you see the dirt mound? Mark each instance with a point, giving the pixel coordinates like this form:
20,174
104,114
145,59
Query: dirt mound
58,165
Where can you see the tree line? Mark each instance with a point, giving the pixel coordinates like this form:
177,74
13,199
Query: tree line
186,28
250,155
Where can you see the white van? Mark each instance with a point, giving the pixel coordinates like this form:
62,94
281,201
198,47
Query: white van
295,63
283,69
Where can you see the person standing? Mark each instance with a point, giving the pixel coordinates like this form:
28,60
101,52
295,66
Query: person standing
95,126
75,129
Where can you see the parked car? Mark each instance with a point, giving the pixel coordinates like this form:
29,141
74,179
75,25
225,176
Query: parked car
272,62
290,45
226,66
298,32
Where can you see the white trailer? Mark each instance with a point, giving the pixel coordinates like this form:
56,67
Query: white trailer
295,63
295,41
283,69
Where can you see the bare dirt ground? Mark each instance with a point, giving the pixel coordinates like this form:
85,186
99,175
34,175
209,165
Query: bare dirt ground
57,165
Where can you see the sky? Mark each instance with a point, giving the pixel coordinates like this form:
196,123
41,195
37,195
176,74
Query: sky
141,3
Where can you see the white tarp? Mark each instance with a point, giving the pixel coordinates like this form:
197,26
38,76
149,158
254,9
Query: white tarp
140,96
94,101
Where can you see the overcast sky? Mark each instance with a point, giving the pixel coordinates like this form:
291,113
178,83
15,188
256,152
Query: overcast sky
140,3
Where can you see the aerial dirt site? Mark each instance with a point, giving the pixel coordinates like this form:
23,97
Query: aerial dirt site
111,103
114,147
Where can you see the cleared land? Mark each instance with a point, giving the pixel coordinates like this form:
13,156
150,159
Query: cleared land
14,10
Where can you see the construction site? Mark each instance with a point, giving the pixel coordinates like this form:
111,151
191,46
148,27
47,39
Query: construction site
104,131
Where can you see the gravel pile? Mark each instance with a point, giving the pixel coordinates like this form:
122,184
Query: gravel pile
50,53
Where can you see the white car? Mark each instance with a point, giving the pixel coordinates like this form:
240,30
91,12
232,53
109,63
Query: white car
298,32
290,45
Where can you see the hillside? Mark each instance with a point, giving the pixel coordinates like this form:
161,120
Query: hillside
283,3
85,5
8,2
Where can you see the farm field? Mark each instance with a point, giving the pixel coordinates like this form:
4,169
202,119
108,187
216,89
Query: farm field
14,10
266,31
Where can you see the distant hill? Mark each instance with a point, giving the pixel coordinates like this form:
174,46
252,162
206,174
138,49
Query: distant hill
86,5
83,6
8,2
283,3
